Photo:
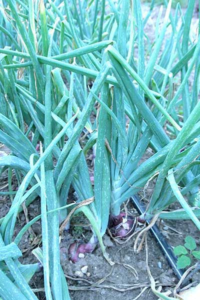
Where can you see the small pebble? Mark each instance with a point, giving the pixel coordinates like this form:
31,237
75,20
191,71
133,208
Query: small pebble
160,265
103,292
78,274
127,258
81,255
107,241
88,274
142,265
84,269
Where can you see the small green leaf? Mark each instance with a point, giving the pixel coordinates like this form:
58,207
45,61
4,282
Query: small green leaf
196,254
183,262
179,250
190,243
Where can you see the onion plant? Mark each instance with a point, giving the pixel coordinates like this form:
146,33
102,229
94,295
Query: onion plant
79,76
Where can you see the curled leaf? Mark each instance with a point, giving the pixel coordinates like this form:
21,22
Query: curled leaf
196,254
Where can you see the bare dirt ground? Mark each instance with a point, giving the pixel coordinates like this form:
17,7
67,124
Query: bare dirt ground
128,278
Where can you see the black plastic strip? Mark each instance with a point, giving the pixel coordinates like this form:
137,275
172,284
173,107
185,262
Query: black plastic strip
165,247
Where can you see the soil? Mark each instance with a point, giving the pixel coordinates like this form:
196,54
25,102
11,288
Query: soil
128,277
